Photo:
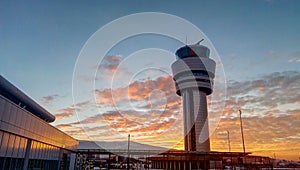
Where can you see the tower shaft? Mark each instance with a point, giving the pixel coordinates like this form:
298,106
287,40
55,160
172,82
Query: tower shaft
195,120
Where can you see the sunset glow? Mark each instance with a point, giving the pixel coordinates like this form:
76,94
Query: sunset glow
133,92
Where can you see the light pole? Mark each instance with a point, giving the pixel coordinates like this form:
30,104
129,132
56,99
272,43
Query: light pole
128,157
228,139
241,122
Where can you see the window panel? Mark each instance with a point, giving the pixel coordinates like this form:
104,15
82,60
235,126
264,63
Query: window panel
41,151
16,147
44,151
35,149
47,152
7,163
13,163
38,154
4,144
2,161
54,153
51,152
32,149
57,153
23,145
18,165
10,145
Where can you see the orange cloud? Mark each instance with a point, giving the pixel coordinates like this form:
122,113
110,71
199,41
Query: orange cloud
64,113
149,94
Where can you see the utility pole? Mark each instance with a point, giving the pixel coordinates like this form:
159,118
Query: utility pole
241,122
228,139
128,152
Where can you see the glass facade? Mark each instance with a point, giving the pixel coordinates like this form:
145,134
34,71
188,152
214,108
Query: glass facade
192,51
30,143
185,52
191,74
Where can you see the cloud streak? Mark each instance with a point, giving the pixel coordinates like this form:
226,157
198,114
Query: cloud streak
49,99
64,113
68,112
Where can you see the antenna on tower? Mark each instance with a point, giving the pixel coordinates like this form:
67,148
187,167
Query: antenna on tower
185,39
198,43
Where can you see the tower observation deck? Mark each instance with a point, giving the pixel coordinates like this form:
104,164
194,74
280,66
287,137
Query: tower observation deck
193,73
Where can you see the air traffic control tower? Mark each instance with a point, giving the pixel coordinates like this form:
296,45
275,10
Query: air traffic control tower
193,73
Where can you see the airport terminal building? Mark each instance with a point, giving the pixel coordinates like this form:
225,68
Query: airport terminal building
27,140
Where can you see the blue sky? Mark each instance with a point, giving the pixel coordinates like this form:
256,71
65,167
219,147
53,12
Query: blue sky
40,41
43,39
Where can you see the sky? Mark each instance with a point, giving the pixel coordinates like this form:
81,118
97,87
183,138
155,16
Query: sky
42,46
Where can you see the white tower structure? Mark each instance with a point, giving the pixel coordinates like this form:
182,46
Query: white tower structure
193,73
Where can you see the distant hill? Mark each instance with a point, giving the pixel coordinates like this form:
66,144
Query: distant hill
83,144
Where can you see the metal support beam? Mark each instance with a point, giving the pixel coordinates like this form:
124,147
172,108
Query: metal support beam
27,153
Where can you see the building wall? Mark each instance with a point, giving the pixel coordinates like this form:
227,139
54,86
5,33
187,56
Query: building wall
28,141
